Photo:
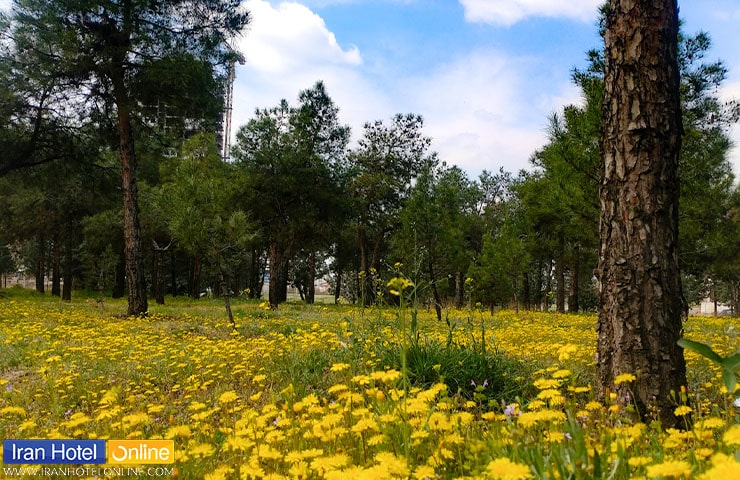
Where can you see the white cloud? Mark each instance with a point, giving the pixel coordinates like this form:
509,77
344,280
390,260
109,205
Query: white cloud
508,12
483,113
290,37
287,49
5,5
483,109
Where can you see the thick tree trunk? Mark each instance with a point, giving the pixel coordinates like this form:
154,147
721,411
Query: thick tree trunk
639,282
133,251
194,286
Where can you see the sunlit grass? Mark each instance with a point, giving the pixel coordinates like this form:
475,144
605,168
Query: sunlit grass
319,392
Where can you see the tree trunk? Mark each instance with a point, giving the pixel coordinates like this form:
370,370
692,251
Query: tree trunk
365,284
278,275
338,286
639,282
195,277
158,278
574,287
41,263
227,297
548,287
538,287
56,274
173,273
459,290
119,281
435,290
560,284
311,287
68,270
133,251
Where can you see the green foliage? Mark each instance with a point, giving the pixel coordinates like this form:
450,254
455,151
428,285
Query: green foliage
487,377
728,364
291,173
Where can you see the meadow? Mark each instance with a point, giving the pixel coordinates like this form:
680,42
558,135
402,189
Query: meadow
341,392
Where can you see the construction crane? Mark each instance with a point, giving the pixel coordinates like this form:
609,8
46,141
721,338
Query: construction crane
228,101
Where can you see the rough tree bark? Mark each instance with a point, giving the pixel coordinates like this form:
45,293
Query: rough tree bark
639,282
133,252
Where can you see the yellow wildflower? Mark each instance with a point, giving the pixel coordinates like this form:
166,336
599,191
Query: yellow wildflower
682,410
670,468
228,397
178,431
624,378
505,469
732,436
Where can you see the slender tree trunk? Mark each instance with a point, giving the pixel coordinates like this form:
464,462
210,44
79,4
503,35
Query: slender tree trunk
56,274
68,270
338,285
41,263
560,284
119,280
527,300
538,287
311,287
173,274
159,276
435,291
639,282
548,287
574,287
227,297
195,277
364,273
256,274
459,290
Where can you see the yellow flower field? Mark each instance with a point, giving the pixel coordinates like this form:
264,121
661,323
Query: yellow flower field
314,392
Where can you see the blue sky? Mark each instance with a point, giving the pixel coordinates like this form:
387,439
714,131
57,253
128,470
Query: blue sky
484,74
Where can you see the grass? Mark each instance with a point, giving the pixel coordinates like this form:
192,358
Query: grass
312,392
